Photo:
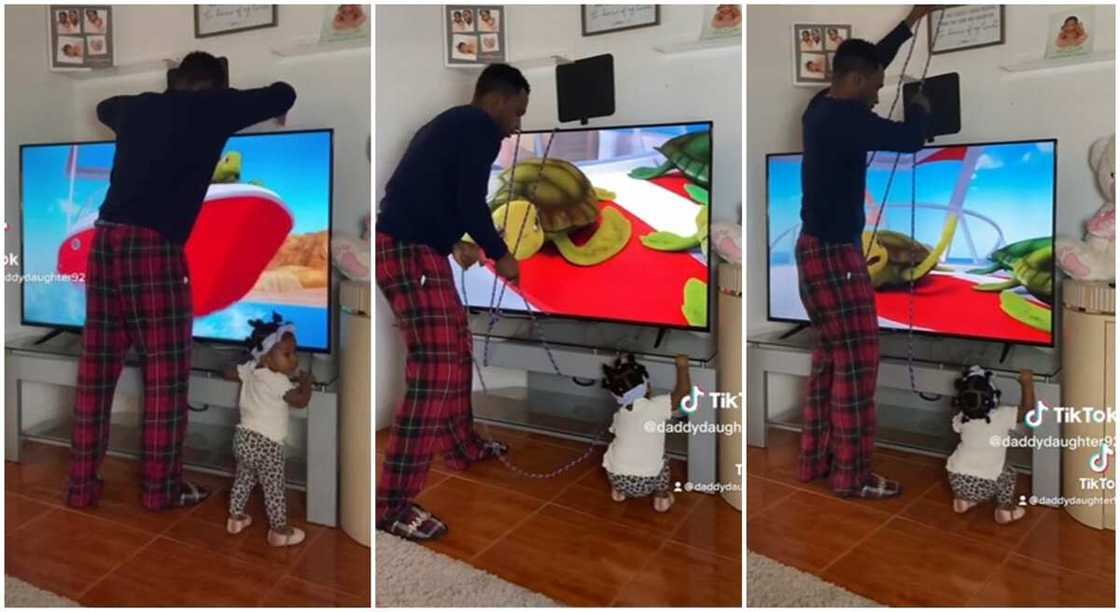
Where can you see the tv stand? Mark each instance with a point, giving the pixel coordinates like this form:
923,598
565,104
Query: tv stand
54,333
1006,351
936,365
583,362
800,328
313,468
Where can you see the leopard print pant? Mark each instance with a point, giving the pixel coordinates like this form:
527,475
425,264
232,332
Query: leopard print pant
641,486
974,489
259,459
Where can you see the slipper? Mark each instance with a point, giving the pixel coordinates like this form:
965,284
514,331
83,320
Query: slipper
878,488
277,539
415,524
235,525
492,449
960,506
192,494
1006,516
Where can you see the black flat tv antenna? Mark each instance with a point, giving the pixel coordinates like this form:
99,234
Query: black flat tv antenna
585,89
944,93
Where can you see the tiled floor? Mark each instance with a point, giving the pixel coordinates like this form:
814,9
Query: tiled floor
913,550
119,554
565,537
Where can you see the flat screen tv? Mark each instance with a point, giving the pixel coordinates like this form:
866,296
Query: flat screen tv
615,229
260,244
991,204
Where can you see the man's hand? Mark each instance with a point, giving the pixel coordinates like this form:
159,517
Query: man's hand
1026,377
921,100
508,268
466,254
916,14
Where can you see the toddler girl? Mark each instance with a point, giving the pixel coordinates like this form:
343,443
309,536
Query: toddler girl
978,469
635,461
258,443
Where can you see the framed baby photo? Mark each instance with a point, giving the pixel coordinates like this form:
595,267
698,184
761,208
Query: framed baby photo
1071,32
474,35
344,22
219,19
956,28
722,21
81,37
814,46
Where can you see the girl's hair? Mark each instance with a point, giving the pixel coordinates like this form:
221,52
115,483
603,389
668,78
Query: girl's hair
976,395
262,330
623,375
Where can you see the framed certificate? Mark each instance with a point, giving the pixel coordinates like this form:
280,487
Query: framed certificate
956,28
606,18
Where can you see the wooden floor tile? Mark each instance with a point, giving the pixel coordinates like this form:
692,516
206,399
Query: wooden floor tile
67,552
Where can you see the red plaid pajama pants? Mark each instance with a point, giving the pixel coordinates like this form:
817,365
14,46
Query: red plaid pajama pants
435,414
137,293
838,431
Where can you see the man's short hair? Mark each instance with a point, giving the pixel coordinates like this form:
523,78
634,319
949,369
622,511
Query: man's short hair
501,79
200,70
855,55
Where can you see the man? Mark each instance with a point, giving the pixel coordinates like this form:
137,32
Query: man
138,286
436,194
839,129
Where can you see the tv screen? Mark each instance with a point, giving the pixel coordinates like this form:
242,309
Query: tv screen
609,224
260,244
991,208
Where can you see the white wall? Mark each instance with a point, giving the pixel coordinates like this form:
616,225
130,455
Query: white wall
1074,105
413,86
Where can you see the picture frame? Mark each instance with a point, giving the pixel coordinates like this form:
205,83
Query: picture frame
221,19
80,37
474,35
1080,38
345,22
814,45
962,27
722,21
596,19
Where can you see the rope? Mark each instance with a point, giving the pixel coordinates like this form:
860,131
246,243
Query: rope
494,309
913,196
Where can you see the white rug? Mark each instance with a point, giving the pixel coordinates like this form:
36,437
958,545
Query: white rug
773,585
409,575
19,594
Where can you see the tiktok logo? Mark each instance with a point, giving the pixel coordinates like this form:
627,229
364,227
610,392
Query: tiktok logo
691,402
1034,417
1099,461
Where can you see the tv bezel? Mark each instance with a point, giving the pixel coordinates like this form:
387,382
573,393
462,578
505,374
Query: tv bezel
1053,237
707,328
205,339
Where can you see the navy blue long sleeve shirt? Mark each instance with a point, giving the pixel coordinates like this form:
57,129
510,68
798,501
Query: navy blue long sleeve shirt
438,191
837,136
168,145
